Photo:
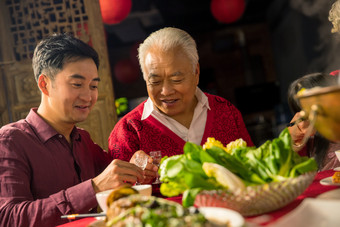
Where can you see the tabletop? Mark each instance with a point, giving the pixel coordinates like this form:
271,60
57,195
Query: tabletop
312,191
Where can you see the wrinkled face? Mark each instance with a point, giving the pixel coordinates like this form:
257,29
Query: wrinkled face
171,82
73,93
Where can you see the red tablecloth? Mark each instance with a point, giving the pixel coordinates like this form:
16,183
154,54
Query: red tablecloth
312,191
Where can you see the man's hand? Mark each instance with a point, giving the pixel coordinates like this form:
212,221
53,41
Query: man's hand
116,174
150,171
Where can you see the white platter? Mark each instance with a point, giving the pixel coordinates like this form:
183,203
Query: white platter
222,216
328,181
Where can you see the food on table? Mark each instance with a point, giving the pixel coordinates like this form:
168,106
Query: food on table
138,210
212,142
336,177
189,174
223,176
120,193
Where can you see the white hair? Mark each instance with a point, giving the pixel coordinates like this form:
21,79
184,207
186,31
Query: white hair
167,39
334,16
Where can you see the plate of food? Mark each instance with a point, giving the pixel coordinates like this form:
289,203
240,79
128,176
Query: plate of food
328,181
333,180
250,180
140,210
102,197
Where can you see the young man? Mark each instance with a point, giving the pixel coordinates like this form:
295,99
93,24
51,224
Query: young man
48,166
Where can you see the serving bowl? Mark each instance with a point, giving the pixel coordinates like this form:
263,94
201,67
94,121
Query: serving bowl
324,104
257,199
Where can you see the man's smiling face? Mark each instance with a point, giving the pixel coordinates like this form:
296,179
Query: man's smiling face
73,92
171,81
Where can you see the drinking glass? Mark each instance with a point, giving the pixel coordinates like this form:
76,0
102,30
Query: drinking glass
141,160
156,156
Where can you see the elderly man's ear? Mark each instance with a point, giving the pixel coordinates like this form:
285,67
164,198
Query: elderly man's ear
197,73
43,81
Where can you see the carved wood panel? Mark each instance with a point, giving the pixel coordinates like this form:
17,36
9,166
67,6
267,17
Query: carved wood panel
23,24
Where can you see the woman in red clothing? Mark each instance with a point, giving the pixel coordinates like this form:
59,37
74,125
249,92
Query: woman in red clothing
176,111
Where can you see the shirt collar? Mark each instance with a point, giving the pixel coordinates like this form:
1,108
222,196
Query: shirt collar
43,130
149,108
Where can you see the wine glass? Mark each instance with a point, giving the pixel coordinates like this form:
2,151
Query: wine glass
156,156
141,160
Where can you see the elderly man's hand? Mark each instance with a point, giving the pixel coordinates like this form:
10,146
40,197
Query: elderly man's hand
116,174
150,171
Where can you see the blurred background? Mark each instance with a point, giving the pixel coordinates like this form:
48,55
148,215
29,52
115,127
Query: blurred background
250,50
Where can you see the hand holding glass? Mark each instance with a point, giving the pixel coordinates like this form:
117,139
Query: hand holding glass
156,156
141,160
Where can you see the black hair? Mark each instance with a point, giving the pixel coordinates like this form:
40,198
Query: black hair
51,54
319,145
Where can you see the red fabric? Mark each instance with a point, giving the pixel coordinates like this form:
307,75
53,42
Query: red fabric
312,191
79,223
303,151
224,123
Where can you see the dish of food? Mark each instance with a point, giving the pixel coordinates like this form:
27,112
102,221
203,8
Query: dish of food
250,180
138,210
143,189
126,207
215,216
328,181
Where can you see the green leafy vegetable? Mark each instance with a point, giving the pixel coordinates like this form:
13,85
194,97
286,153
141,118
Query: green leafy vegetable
273,161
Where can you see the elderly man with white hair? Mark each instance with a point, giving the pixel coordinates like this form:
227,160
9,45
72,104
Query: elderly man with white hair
176,111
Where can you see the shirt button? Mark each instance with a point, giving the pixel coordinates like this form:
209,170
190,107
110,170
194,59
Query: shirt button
60,136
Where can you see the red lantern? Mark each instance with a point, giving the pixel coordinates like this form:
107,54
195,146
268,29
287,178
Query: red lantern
114,11
227,11
126,71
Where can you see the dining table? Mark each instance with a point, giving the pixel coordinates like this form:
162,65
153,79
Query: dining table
268,219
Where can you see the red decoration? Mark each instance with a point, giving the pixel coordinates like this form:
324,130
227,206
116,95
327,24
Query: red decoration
335,73
126,71
227,11
114,11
